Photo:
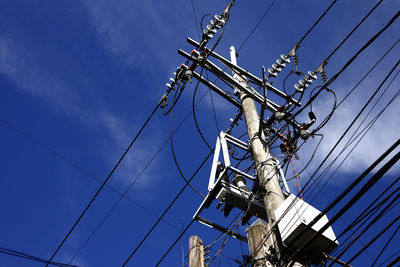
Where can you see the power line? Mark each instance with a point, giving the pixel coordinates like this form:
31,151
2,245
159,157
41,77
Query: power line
23,255
378,175
167,209
318,20
101,187
256,26
133,182
174,156
87,173
312,178
354,29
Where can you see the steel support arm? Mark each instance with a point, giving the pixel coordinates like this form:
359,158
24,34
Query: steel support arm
244,72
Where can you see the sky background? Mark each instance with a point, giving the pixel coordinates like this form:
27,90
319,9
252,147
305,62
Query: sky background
79,78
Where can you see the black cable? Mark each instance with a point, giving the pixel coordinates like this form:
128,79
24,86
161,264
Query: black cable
354,29
213,107
126,192
341,196
256,26
364,217
195,19
349,127
194,112
389,258
167,209
376,218
349,62
23,255
368,212
318,20
378,175
174,155
101,187
394,262
87,173
375,238
173,244
365,76
354,137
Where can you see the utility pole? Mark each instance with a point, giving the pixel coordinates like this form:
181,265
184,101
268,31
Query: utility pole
266,172
256,234
196,252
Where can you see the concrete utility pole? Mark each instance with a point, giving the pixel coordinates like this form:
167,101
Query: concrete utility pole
196,252
263,160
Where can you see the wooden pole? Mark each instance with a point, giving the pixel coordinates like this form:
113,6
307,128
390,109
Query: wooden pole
196,252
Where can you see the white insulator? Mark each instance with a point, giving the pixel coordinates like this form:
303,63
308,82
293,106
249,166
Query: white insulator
276,68
303,84
281,63
312,75
172,80
220,19
215,24
272,72
211,29
285,58
169,86
308,80
298,88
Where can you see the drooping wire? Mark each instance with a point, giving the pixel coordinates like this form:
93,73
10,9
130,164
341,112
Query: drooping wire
194,112
213,107
174,155
102,186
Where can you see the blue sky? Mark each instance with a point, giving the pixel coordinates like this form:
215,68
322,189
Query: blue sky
81,77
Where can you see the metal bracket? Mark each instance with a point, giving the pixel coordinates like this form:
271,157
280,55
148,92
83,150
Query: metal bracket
244,72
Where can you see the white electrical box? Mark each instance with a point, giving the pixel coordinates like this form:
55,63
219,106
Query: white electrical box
296,219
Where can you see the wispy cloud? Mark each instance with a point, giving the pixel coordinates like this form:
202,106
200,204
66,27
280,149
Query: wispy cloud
33,78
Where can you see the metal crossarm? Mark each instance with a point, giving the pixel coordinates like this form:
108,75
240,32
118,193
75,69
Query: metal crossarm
244,72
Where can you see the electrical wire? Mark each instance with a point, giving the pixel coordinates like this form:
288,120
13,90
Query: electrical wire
101,187
213,107
375,238
366,75
391,257
350,61
378,175
167,209
355,135
23,255
256,26
195,19
362,219
125,193
354,29
338,198
174,155
316,22
194,112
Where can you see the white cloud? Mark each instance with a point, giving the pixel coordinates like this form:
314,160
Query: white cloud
378,139
31,77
